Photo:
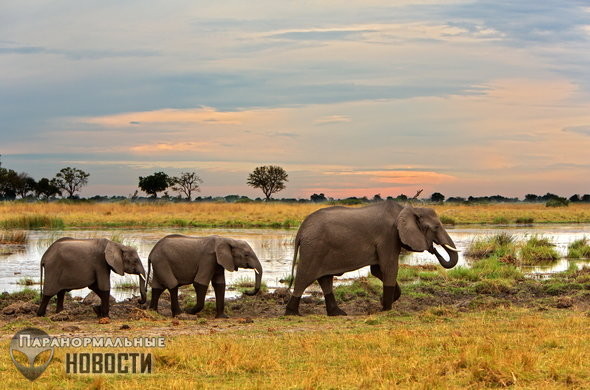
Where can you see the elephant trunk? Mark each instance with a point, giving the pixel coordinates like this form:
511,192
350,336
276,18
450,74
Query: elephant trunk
451,250
142,285
258,269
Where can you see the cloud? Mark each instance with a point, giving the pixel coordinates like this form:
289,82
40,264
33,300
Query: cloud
167,147
399,177
331,119
78,54
585,130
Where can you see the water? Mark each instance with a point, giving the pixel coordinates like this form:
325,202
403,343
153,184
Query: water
274,248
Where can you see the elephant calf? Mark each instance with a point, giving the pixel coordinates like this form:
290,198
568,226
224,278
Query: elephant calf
179,260
77,263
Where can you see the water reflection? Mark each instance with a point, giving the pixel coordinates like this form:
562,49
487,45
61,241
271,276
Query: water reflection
274,248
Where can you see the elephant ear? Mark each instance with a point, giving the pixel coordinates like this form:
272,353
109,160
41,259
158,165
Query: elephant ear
114,257
409,232
224,255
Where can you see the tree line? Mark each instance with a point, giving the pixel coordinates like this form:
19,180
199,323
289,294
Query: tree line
270,179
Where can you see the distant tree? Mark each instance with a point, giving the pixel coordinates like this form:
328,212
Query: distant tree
401,198
456,199
437,197
575,198
8,183
586,198
318,198
46,188
377,198
155,183
186,183
71,180
269,178
25,184
531,198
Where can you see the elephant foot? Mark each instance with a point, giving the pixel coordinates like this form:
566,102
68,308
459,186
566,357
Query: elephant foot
41,313
336,312
292,308
332,307
221,315
176,313
195,310
390,295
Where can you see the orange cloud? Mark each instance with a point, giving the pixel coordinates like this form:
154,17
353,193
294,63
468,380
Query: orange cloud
179,146
204,115
401,177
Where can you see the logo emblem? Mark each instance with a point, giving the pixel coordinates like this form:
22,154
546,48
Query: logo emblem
30,342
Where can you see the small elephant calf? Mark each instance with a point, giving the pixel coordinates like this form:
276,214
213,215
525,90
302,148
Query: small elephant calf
179,260
71,264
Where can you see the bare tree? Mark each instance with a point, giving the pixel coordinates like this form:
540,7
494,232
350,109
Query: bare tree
187,183
269,178
71,180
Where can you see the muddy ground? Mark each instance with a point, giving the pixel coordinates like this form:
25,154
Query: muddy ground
438,297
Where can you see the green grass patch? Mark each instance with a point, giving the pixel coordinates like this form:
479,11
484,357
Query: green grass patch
579,249
524,220
489,268
362,287
446,220
244,284
500,221
33,222
538,250
499,245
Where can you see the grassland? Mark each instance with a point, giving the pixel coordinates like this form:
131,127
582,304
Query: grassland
58,215
485,349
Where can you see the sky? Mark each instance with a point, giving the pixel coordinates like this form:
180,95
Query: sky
351,98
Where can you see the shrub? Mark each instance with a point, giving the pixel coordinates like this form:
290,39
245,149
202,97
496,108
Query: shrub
538,250
557,202
445,220
499,245
578,249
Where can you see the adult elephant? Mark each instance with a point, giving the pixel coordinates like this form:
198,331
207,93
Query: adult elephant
179,260
71,264
338,239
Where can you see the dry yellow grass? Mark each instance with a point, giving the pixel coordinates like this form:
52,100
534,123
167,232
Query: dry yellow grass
68,214
498,348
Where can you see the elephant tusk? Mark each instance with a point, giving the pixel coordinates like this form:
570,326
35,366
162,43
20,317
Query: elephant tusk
451,248
255,270
142,278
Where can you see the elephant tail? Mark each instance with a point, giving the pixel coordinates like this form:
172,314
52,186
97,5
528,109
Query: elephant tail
292,278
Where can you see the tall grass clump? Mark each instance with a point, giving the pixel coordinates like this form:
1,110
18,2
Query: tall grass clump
579,249
488,268
18,237
244,284
33,222
499,245
538,250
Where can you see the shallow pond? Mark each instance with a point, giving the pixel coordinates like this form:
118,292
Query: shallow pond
274,248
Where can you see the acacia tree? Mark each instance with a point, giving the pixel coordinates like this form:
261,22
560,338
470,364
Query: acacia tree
47,188
70,180
187,183
269,178
155,183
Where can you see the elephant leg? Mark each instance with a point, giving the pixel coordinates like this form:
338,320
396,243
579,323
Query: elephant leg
326,283
219,289
43,306
200,292
174,306
104,302
156,292
292,308
60,301
376,272
390,295
98,308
